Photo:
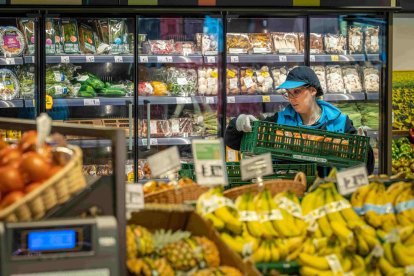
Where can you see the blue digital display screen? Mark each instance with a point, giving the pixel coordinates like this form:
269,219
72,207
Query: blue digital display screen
51,240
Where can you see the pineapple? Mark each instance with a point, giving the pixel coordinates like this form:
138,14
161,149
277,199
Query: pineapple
210,251
218,271
139,241
150,267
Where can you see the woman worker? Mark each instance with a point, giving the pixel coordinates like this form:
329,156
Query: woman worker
304,110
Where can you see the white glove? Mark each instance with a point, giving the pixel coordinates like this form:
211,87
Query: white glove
243,122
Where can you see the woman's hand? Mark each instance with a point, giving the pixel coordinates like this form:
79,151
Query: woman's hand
243,122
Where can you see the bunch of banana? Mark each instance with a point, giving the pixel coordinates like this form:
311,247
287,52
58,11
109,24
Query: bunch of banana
267,252
292,224
364,236
212,205
404,203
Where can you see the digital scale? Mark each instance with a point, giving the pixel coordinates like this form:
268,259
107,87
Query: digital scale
60,247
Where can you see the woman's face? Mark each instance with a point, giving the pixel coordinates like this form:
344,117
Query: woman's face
302,98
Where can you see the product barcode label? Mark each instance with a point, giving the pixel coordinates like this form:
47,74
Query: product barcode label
266,99
165,59
153,142
64,59
10,61
183,100
231,99
234,59
118,59
143,59
90,59
210,100
91,102
312,58
211,59
282,58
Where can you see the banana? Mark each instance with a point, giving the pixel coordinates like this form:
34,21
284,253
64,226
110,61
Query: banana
409,240
396,189
359,196
348,214
346,264
320,263
308,204
283,249
389,220
232,243
342,232
294,254
286,227
365,228
309,247
358,265
323,222
403,256
371,216
336,215
406,232
388,253
262,206
405,216
310,271
388,269
217,223
274,252
300,224
258,255
294,243
267,253
232,222
254,226
362,245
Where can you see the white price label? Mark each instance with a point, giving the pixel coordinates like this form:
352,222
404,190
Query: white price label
234,59
165,161
134,199
10,61
257,166
64,59
231,99
91,102
90,59
211,59
210,100
118,59
153,142
143,59
165,59
210,166
183,100
282,58
349,180
312,58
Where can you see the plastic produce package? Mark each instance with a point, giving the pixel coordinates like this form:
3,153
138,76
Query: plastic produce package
50,37
182,81
279,75
238,43
372,40
321,74
316,43
185,48
232,81
26,77
209,44
355,40
260,43
87,39
159,88
70,36
118,36
162,47
264,80
335,44
145,89
371,79
248,81
286,43
9,85
27,26
352,81
334,80
11,41
207,81
57,24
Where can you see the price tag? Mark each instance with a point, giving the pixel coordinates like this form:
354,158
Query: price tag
334,58
118,59
211,59
143,59
134,199
10,61
165,161
231,99
164,59
266,99
234,59
257,166
64,59
91,102
282,58
210,167
90,59
312,58
183,100
349,180
153,142
210,100
49,102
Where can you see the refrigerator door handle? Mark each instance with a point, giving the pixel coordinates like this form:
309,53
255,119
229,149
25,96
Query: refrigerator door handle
148,103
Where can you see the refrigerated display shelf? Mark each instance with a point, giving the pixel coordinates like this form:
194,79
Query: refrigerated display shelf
90,59
170,59
11,61
100,101
177,100
264,58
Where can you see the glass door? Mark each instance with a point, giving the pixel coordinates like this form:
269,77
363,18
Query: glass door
89,80
178,84
348,54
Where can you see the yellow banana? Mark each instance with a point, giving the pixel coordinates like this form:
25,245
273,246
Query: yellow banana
268,253
309,247
308,204
294,243
388,254
396,189
362,245
262,207
371,216
283,248
346,263
323,222
406,232
310,271
217,223
274,252
359,196
358,265
232,222
336,215
258,255
320,263
388,269
300,224
342,232
287,226
253,226
402,255
348,214
409,240
405,215
232,243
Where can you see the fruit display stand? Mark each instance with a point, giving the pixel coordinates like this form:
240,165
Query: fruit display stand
303,144
177,195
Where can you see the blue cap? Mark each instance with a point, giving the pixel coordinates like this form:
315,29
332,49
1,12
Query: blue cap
300,76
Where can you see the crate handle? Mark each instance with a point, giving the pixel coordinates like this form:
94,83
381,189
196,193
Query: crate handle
301,178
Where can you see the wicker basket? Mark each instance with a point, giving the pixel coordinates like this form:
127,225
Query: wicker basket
176,196
56,190
297,185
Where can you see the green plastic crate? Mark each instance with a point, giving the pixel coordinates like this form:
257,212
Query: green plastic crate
291,268
290,143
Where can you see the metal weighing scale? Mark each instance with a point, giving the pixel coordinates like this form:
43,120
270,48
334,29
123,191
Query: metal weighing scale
60,247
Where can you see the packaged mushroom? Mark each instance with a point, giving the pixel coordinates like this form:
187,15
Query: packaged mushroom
181,81
209,44
355,40
286,43
316,43
321,74
260,43
207,80
371,79
334,79
232,80
372,40
248,81
335,44
279,75
264,80
352,81
238,43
